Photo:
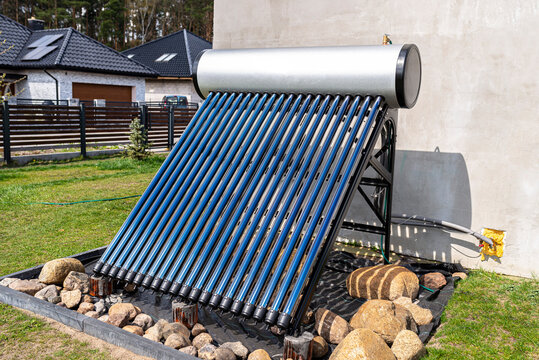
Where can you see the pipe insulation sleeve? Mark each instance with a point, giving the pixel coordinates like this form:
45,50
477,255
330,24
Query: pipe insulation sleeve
391,71
416,220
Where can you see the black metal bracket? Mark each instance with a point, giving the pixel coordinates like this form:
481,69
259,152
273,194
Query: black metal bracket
382,161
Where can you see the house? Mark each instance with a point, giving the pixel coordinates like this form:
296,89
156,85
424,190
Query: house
467,152
61,64
172,57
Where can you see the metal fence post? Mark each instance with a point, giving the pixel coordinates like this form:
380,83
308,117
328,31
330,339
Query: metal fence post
6,132
170,127
144,120
82,130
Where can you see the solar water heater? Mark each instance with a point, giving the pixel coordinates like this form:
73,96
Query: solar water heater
245,209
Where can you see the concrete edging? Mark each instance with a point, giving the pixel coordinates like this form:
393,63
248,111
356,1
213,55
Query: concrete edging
109,333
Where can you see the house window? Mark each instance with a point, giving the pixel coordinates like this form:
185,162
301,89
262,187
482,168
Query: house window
130,55
165,57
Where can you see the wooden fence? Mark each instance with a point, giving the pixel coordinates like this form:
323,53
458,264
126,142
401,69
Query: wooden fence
40,127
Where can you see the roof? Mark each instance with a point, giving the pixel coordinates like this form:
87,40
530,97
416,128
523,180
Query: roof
70,50
183,43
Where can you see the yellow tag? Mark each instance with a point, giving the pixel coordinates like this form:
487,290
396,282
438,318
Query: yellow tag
497,237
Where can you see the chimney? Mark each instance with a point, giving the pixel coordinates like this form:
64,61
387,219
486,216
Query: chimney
35,24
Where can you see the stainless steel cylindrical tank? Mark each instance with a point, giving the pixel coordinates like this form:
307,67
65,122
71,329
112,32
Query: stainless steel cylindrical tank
391,71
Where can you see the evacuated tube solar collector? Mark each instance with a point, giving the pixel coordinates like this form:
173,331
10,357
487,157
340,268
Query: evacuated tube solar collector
243,211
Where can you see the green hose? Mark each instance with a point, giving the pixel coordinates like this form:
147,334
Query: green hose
83,201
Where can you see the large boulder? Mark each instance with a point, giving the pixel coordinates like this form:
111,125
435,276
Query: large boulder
259,354
237,348
55,271
320,347
190,350
379,316
177,341
77,280
362,344
176,328
5,282
134,329
202,339
144,321
30,287
84,307
118,319
420,315
207,352
382,282
408,346
330,326
198,329
433,280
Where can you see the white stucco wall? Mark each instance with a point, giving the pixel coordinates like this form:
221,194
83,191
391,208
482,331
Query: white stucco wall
39,85
157,88
467,152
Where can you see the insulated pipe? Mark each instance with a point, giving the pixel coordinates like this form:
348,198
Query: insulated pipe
391,71
443,223
204,161
300,201
155,214
162,175
284,318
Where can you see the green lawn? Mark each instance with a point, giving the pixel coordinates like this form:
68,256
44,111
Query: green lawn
489,317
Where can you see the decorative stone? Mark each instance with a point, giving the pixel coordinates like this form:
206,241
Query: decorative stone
198,329
157,330
126,308
84,307
152,336
298,347
54,299
92,314
130,288
420,315
275,330
175,328
77,280
87,298
362,344
308,317
47,292
176,341
405,316
144,321
259,354
7,281
382,282
104,318
433,280
320,347
461,275
378,316
202,339
118,319
408,346
330,326
190,350
207,352
224,354
55,271
237,348
137,330
100,307
71,298
27,286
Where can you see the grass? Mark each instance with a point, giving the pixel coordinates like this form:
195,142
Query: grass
489,317
32,234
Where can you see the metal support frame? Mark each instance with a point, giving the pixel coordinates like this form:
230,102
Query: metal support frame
82,118
382,161
170,127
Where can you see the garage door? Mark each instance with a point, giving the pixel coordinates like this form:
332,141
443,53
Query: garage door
97,91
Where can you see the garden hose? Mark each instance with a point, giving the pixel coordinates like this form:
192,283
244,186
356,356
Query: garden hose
82,201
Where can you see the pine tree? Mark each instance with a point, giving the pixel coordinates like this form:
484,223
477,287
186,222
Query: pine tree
138,136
